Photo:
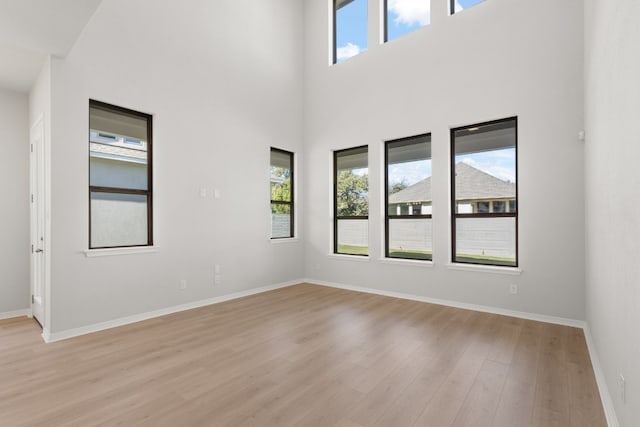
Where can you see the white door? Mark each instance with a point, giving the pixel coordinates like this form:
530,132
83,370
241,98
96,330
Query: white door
37,220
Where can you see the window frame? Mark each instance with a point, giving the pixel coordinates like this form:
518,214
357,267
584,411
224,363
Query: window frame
335,201
455,215
387,217
94,104
282,202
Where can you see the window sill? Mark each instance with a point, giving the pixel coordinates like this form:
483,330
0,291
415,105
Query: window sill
511,271
413,262
284,240
90,253
346,257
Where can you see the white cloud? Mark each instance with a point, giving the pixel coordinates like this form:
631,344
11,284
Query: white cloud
457,7
410,12
347,51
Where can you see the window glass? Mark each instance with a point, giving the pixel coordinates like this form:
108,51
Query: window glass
350,28
281,194
484,176
408,198
119,177
351,201
460,5
405,16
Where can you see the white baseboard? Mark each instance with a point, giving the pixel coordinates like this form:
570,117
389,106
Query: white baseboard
605,396
70,333
449,303
15,313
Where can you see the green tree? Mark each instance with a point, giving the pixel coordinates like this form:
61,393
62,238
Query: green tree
353,192
280,190
398,186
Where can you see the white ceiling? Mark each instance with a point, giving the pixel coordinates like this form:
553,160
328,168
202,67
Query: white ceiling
32,29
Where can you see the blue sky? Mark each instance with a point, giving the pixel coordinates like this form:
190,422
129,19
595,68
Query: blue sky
409,172
403,16
499,163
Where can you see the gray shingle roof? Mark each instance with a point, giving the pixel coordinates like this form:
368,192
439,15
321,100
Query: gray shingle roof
471,183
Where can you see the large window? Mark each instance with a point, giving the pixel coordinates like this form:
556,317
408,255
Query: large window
349,28
404,16
456,6
351,201
281,194
484,193
120,184
408,198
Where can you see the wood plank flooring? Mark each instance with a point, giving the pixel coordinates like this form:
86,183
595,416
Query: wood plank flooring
306,356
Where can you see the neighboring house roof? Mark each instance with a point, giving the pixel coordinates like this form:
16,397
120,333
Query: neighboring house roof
471,183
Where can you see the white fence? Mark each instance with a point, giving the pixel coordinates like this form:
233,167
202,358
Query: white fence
475,236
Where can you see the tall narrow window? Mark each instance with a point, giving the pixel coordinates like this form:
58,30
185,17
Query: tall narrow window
408,198
351,201
120,184
484,193
404,16
456,6
281,194
349,28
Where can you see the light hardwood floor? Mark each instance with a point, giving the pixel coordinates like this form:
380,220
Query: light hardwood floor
307,356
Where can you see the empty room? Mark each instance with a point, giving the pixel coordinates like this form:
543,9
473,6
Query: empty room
319,213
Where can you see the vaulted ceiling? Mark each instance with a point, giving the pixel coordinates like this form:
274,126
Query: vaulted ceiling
32,29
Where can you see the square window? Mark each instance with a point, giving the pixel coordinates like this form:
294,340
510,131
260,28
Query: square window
405,16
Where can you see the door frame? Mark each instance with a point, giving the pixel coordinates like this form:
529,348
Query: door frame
39,126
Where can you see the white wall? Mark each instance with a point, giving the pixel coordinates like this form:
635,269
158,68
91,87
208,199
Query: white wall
499,59
612,94
14,215
223,81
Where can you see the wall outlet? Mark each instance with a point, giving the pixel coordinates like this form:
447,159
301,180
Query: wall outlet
623,392
203,192
217,269
217,279
513,289
183,284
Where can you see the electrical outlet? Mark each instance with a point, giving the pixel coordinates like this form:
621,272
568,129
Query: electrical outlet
217,268
217,280
183,284
623,393
513,289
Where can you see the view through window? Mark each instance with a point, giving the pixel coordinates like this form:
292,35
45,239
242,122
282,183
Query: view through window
405,16
484,193
351,201
120,204
408,198
281,194
350,28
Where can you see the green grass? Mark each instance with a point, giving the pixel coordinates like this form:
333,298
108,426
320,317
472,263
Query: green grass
486,260
353,250
415,254
409,254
